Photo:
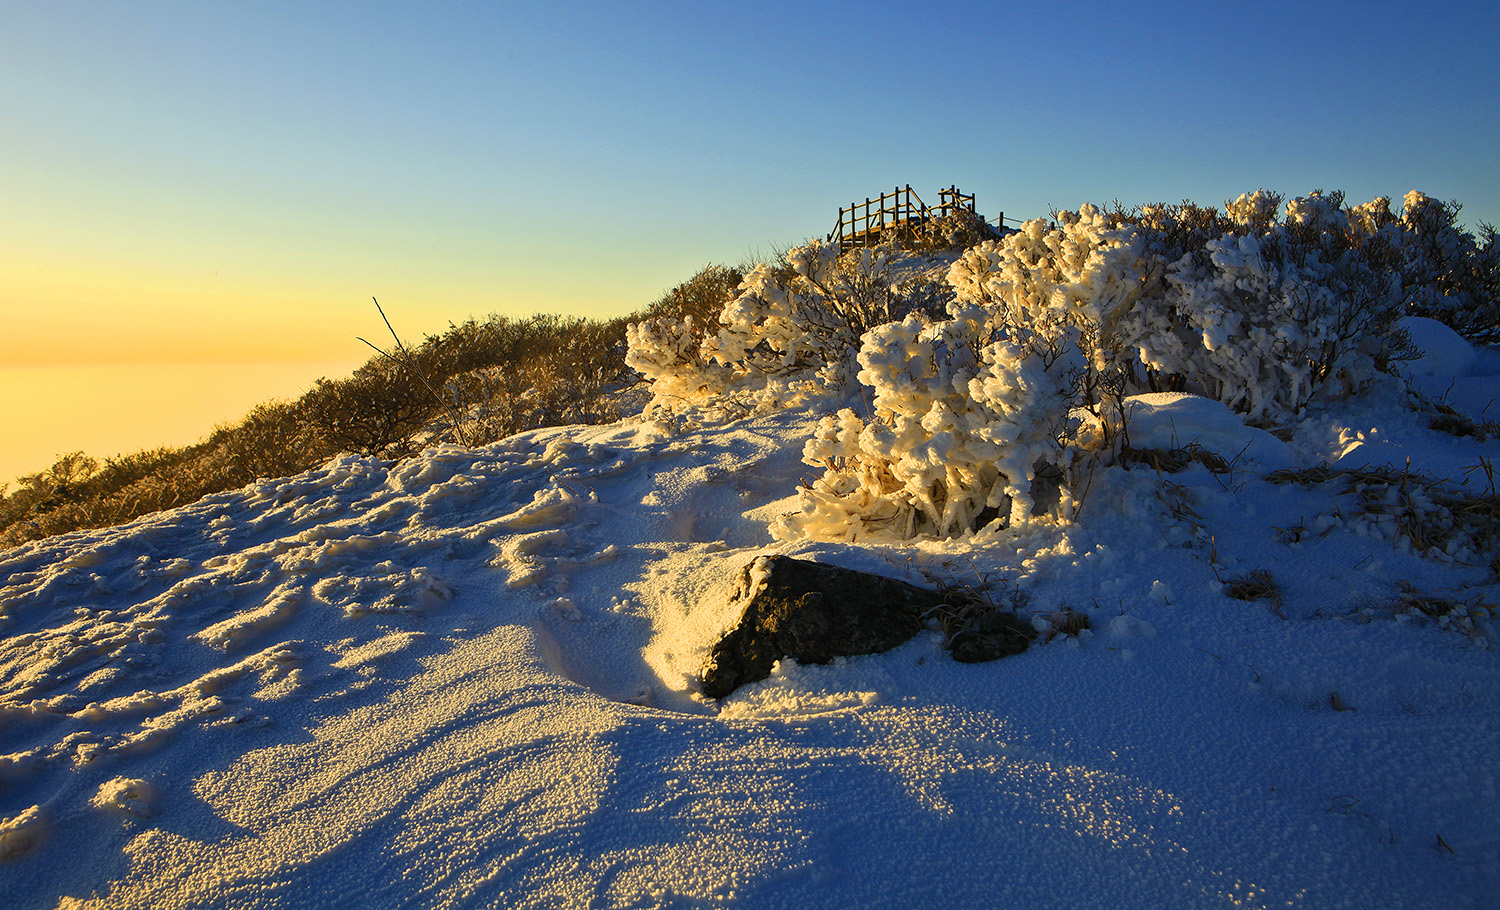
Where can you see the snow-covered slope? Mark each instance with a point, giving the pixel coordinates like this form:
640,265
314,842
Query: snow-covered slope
466,680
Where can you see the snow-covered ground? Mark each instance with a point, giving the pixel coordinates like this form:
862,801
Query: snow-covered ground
467,680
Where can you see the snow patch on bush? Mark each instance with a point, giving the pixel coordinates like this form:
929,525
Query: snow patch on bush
1441,351
1175,420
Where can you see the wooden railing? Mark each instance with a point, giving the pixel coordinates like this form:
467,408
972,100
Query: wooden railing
863,223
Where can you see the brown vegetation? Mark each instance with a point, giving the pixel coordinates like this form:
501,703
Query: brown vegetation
477,382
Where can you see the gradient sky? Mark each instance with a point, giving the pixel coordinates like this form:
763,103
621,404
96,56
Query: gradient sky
225,181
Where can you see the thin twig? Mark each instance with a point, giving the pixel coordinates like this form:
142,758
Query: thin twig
408,362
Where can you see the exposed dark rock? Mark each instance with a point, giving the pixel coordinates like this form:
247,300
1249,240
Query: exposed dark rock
813,613
994,635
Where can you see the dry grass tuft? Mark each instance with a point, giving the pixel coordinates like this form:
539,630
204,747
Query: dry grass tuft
1180,504
1256,585
1066,623
1172,461
968,605
1435,518
1307,477
1464,614
1455,424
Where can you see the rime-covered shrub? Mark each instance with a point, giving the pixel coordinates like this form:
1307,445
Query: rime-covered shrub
1262,317
669,353
979,418
1449,274
971,411
788,332
922,463
1051,286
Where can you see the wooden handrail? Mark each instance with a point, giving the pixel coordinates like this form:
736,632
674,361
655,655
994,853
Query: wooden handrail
861,224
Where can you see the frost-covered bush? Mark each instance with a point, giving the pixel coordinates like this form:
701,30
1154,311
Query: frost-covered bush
921,463
1262,317
981,417
1449,274
960,432
669,353
1052,284
788,331
970,411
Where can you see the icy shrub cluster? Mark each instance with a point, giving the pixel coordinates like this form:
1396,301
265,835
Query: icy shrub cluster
973,416
981,418
789,331
1449,274
979,412
1265,315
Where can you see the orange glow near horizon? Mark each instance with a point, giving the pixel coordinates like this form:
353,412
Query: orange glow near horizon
121,314
106,410
92,312
108,357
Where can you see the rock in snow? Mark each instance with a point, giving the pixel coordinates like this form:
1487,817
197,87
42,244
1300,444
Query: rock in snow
814,613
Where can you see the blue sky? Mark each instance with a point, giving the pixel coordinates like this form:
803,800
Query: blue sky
223,181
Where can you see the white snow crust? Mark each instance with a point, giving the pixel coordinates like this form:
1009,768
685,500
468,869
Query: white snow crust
1444,352
468,680
1174,420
